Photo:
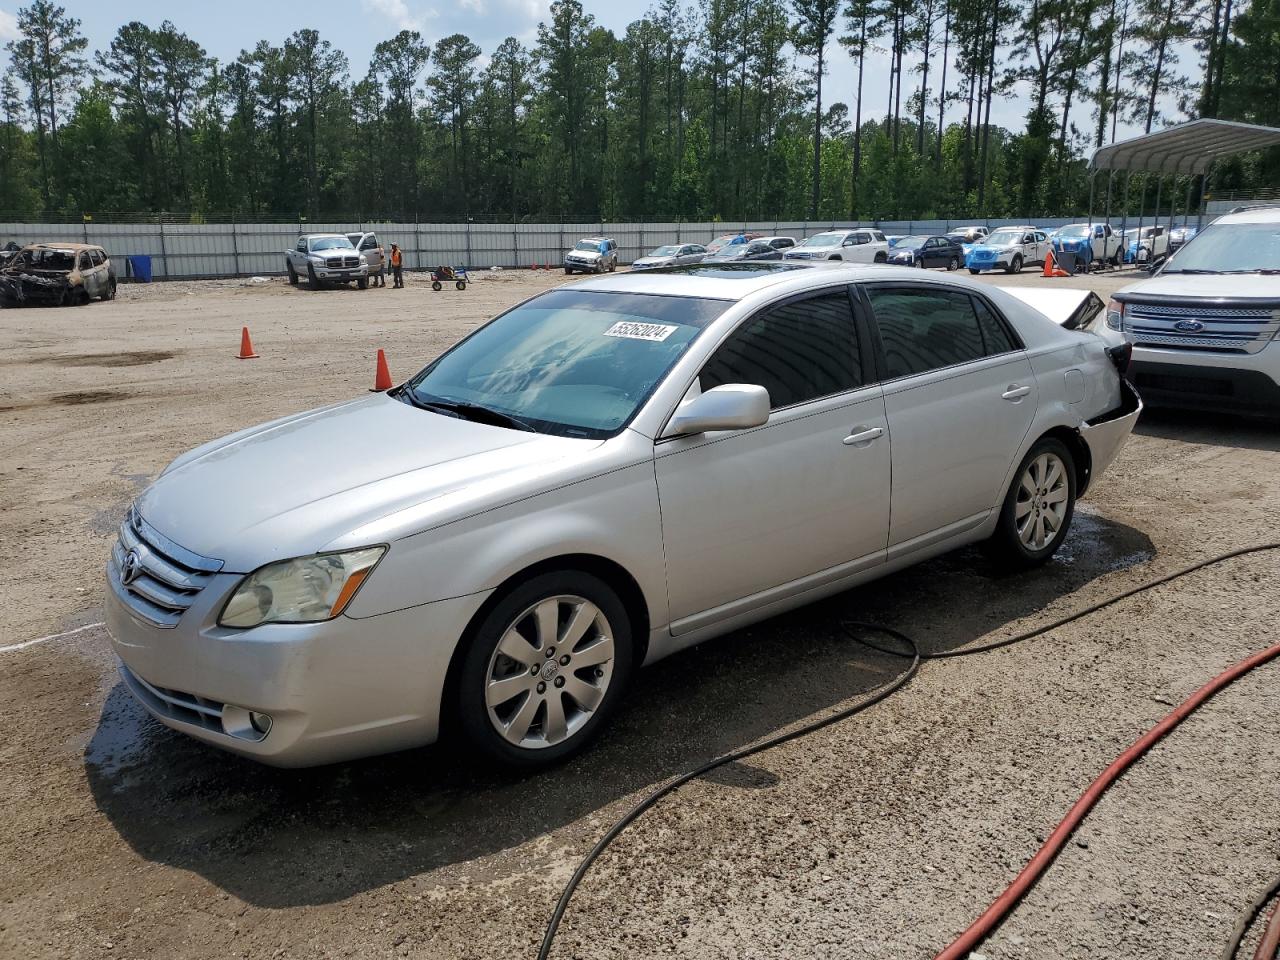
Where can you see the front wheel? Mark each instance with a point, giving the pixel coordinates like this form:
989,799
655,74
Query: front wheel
312,279
460,285
974,272
363,283
544,670
293,274
1015,266
1038,508
567,271
437,286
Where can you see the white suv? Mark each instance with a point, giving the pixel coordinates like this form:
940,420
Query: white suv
1204,326
863,245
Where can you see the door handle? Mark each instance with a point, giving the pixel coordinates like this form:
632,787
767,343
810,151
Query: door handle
862,435
1015,392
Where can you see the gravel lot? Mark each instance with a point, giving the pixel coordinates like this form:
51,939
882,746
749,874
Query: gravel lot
882,836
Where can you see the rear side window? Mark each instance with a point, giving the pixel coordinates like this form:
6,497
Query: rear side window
924,330
799,351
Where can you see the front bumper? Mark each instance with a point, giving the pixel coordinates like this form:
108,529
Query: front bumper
593,265
342,273
335,690
1000,261
1222,382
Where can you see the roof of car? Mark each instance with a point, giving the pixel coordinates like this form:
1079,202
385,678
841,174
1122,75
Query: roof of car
1256,215
737,280
321,236
62,246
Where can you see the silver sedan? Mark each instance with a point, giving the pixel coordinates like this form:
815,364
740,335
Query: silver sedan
596,479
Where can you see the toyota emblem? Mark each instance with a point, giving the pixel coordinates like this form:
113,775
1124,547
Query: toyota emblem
132,567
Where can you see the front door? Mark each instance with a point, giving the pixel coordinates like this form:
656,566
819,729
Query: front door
960,397
747,513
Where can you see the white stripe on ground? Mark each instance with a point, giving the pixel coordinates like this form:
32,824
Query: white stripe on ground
52,636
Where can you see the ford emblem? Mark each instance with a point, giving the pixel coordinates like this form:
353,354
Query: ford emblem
1188,326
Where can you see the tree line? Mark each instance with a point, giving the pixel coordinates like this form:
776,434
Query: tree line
700,109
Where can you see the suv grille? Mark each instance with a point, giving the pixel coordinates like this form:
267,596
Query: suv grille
1206,326
164,579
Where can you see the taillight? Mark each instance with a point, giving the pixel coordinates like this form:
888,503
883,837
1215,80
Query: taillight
1115,315
1120,355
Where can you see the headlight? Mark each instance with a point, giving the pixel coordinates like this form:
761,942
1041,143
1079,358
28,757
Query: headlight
1115,315
303,590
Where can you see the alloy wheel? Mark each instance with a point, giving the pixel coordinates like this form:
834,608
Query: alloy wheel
550,671
1041,506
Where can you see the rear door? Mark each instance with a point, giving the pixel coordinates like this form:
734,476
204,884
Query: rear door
749,514
959,396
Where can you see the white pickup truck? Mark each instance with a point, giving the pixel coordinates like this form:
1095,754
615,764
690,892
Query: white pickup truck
326,257
1204,326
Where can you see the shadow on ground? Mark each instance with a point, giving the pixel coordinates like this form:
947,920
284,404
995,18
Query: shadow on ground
1218,429
280,838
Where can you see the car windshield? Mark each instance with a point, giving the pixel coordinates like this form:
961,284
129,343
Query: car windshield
332,243
824,240
47,259
719,242
572,363
591,245
1230,248
1075,230
912,241
668,251
1003,237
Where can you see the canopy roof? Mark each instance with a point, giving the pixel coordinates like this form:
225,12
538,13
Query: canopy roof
1186,148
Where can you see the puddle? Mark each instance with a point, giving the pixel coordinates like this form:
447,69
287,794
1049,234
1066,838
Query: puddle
123,736
1101,545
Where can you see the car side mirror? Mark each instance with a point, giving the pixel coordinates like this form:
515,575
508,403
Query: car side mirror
1156,263
730,406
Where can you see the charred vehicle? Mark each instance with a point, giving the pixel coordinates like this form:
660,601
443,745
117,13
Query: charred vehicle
58,274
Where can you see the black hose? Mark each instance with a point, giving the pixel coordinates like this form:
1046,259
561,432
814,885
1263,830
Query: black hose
912,652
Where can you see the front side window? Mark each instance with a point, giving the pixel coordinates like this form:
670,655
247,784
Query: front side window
799,351
570,363
924,330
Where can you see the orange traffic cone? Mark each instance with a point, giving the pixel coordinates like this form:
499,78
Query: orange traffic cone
1048,264
246,345
382,379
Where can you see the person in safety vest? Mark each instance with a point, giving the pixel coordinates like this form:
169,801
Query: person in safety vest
397,261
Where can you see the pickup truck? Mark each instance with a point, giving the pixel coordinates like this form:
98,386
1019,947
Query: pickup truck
1090,242
326,257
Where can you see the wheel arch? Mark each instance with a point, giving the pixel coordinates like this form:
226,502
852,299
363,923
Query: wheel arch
1081,455
614,575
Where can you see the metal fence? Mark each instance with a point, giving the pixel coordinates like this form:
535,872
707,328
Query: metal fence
215,250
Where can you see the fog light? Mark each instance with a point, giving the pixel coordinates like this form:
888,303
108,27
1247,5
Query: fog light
260,722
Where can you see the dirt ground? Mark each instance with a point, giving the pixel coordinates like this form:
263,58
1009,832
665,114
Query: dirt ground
882,836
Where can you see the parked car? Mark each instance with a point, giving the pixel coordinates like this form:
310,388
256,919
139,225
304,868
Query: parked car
671,255
57,274
1071,307
592,255
326,258
370,247
763,249
1088,242
1204,325
1008,249
926,251
862,245
730,240
970,234
1180,235
599,477
1154,243
8,252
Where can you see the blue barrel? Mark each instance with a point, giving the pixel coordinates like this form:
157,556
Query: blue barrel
140,267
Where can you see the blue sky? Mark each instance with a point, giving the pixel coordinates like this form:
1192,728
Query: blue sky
227,27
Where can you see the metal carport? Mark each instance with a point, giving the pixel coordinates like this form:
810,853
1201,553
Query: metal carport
1186,149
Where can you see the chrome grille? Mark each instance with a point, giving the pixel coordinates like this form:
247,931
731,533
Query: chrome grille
167,577
335,262
1223,328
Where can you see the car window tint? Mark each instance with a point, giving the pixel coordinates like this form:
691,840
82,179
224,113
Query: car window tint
925,329
995,336
799,351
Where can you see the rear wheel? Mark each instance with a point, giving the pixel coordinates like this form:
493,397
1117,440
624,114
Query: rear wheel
460,285
110,292
1038,508
544,669
437,286
882,258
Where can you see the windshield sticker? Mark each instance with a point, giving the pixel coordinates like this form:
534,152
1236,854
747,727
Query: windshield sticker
640,331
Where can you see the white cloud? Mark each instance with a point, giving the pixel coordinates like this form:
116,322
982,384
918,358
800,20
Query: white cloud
8,26
395,11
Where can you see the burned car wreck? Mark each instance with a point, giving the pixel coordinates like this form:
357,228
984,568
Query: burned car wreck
58,274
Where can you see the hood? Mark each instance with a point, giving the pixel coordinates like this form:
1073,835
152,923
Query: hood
652,261
1230,286
295,486
584,254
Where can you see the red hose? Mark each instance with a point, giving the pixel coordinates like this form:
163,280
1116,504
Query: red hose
1270,942
1025,880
